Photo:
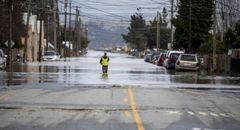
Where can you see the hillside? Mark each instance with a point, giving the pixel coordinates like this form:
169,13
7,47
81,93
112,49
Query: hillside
101,35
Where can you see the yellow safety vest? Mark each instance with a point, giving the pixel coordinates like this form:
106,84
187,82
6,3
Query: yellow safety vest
105,61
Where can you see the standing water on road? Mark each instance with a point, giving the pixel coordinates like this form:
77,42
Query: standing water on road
123,70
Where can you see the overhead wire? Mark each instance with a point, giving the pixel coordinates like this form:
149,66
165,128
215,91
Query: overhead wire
117,16
90,7
109,13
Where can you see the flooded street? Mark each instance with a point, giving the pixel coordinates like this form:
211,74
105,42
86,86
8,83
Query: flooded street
123,70
55,72
73,94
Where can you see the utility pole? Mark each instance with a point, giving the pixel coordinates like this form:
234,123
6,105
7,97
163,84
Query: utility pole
80,32
54,25
48,18
70,30
25,55
47,32
171,23
9,58
76,34
65,30
222,18
214,36
40,36
190,27
158,31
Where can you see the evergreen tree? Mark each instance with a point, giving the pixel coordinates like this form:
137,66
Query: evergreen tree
17,25
136,32
152,34
201,23
232,37
84,42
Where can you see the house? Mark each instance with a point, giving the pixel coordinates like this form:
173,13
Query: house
33,38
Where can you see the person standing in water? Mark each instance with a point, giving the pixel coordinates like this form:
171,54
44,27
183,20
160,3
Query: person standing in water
104,61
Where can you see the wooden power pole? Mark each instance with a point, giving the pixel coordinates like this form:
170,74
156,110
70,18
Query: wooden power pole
190,28
70,30
25,55
76,32
158,31
65,30
171,23
54,25
40,36
9,58
214,37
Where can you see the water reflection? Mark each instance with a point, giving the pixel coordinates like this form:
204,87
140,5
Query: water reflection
124,70
105,76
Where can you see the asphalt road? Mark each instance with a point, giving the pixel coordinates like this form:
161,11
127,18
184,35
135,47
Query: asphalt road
74,95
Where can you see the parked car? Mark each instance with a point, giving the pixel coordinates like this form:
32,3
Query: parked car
3,61
187,62
147,57
161,59
171,58
51,56
155,58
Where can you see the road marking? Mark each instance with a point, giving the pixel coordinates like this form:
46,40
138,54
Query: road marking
191,113
174,112
205,129
202,113
198,113
223,114
134,110
214,114
196,128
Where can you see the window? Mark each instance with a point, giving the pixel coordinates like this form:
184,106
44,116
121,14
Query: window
188,58
174,55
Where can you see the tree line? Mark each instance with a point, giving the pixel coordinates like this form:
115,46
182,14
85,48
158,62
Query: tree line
142,35
193,30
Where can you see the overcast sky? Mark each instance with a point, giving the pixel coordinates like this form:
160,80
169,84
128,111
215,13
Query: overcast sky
118,10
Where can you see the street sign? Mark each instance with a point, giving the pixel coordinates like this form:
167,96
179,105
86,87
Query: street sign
12,43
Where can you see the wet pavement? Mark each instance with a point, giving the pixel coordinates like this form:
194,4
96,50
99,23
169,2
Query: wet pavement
135,95
123,70
118,109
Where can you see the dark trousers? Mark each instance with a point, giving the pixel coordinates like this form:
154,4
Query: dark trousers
104,69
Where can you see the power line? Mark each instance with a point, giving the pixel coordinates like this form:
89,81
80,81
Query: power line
115,15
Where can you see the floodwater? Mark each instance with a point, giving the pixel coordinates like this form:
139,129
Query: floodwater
123,70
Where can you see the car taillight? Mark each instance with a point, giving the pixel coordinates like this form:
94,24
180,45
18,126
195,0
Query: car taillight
161,59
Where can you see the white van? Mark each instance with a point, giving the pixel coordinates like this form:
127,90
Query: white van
3,61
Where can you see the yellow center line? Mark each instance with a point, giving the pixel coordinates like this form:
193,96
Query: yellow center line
134,110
